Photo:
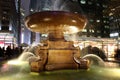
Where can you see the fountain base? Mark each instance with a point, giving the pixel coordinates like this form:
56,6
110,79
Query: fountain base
55,56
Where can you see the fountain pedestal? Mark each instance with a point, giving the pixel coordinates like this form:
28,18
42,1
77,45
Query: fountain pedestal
57,53
56,56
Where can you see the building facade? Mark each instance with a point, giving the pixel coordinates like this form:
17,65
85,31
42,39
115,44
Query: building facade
8,23
114,16
98,23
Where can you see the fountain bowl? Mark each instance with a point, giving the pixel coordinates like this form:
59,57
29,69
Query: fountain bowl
49,21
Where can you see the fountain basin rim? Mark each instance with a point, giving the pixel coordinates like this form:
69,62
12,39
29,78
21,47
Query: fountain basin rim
46,21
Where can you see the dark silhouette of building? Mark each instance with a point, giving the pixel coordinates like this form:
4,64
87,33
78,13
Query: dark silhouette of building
98,23
114,16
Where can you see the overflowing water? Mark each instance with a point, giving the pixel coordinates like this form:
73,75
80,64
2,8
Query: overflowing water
94,59
56,5
61,5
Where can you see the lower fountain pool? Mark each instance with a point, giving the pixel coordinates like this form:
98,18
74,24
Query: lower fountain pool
21,71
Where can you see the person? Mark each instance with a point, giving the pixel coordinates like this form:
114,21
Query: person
16,52
117,53
1,53
9,52
99,52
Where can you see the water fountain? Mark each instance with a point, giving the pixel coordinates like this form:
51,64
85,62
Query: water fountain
92,73
19,69
57,53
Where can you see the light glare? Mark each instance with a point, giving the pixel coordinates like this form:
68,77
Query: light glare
33,26
73,29
16,62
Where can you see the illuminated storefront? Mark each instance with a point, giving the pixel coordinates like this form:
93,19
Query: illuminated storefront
7,39
106,44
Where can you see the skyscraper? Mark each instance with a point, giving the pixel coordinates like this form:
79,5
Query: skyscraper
8,23
114,16
98,23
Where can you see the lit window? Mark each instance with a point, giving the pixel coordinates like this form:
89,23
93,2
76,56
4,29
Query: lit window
75,12
104,32
104,21
31,10
46,8
83,2
22,14
105,6
114,34
98,4
91,20
10,28
92,31
111,18
98,31
104,16
0,27
4,12
97,20
110,14
22,39
106,26
3,18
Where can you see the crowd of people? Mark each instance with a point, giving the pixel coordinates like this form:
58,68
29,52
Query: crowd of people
9,52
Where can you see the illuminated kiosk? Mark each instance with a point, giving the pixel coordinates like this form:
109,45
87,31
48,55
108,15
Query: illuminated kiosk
57,53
